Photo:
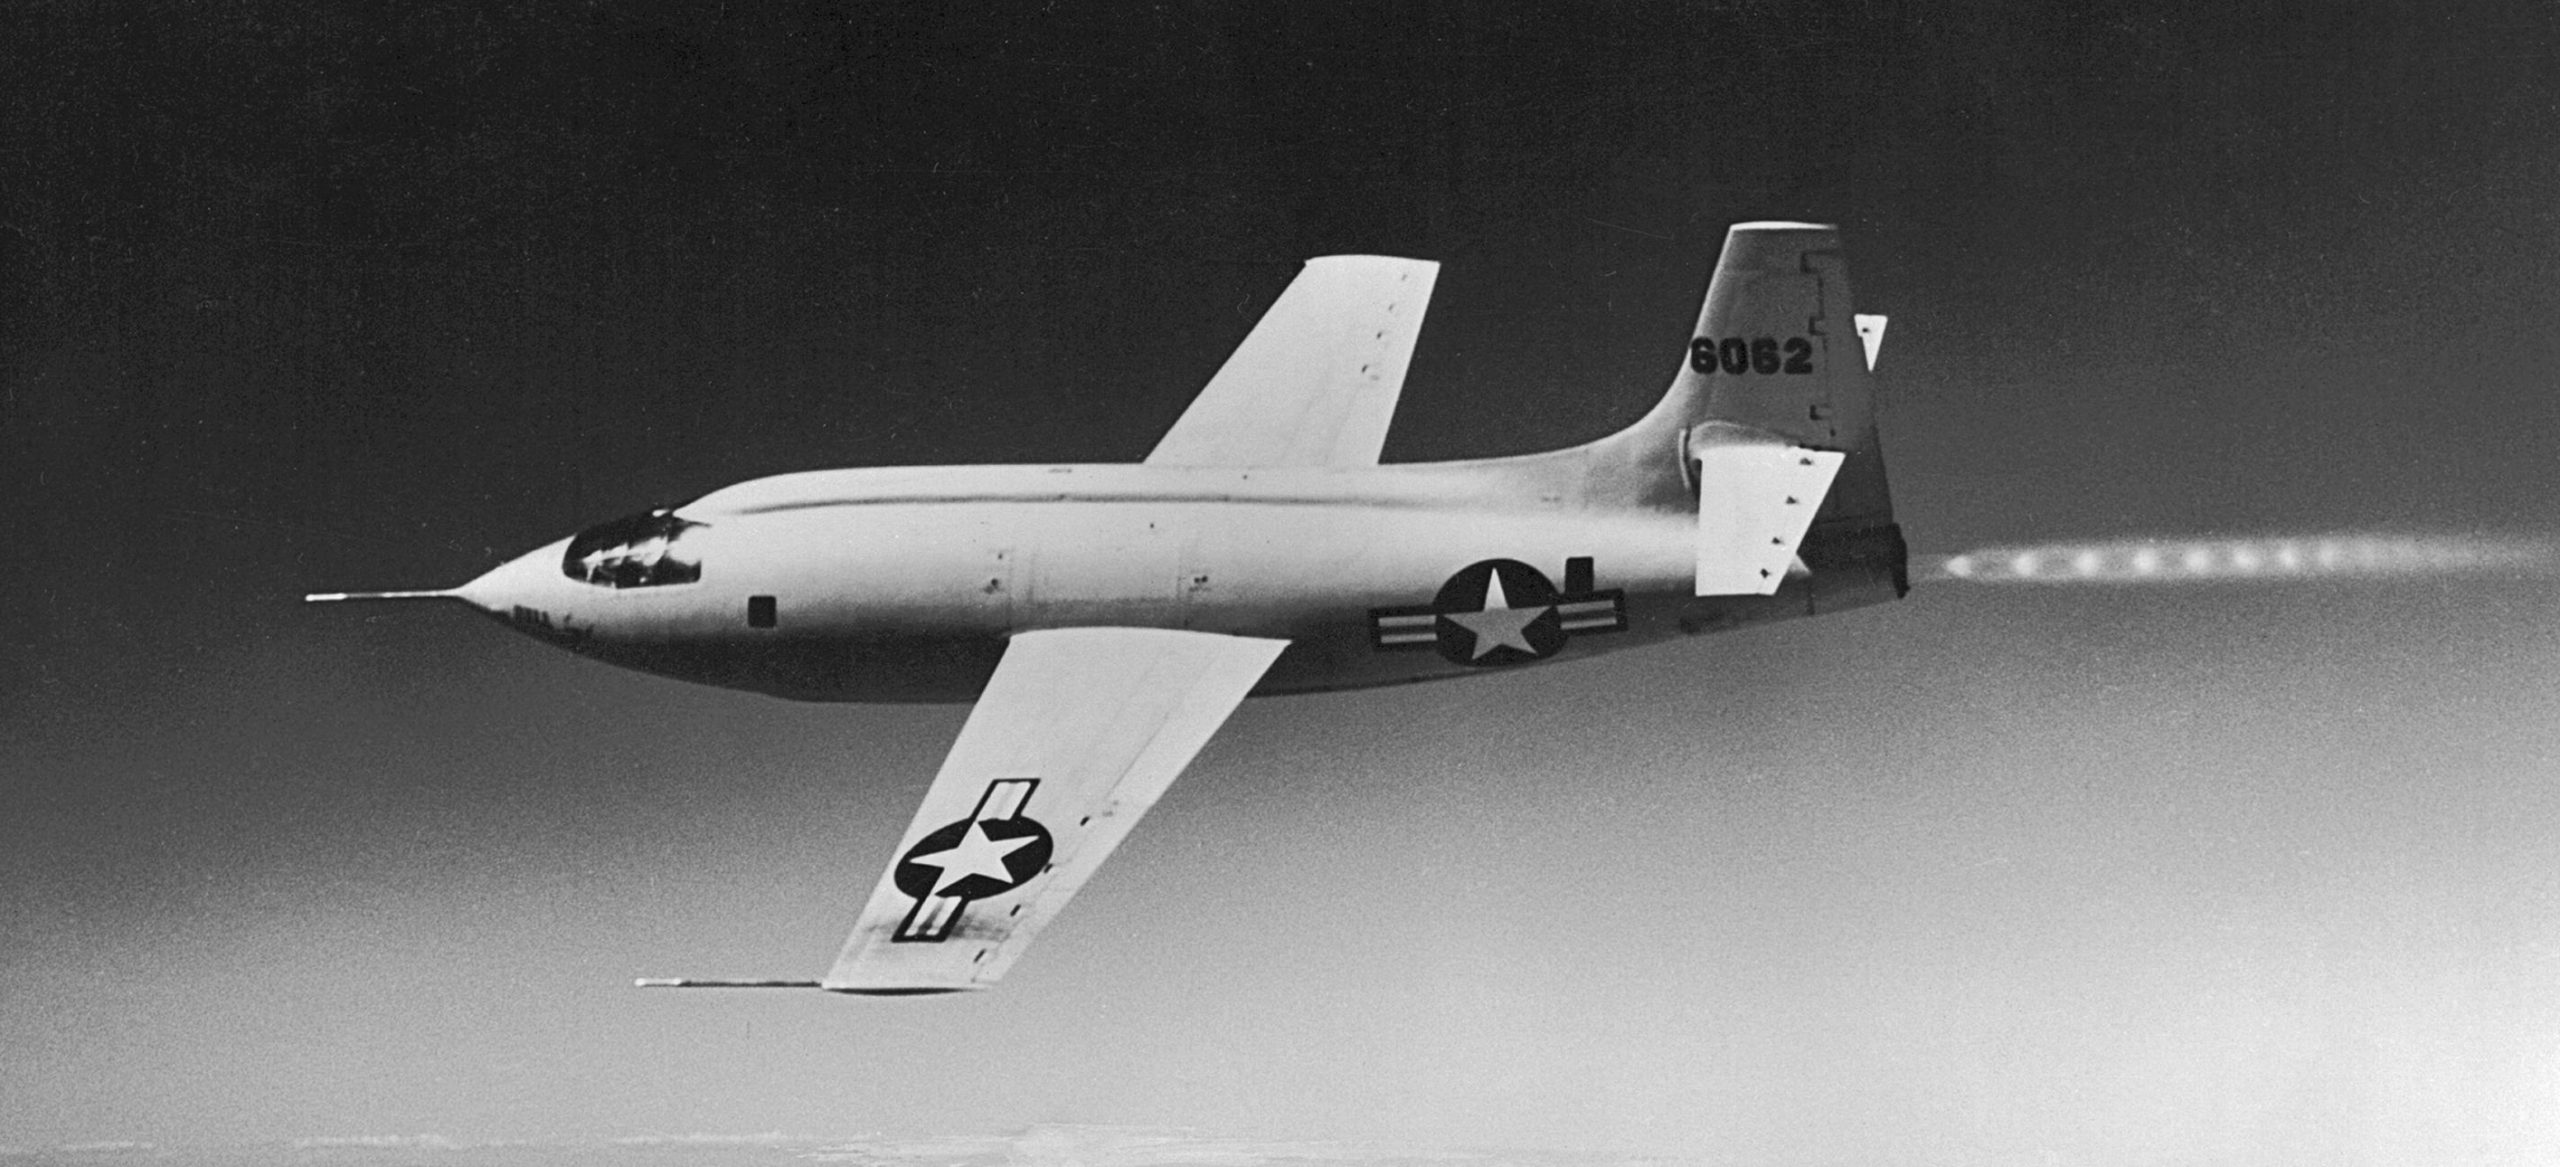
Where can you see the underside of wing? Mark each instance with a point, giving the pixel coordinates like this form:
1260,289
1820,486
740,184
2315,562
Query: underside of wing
1078,733
1317,381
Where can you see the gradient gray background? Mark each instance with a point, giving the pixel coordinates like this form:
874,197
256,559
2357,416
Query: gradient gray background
298,300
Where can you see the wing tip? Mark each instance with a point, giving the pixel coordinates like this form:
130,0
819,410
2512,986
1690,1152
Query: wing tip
724,983
1392,263
903,990
849,989
1368,257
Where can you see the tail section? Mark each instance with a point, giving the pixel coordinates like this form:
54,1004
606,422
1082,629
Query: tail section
1775,389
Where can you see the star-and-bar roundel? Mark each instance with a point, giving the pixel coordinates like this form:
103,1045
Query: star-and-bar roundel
993,851
1500,612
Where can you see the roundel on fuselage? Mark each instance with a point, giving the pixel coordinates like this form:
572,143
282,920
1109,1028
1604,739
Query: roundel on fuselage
1497,612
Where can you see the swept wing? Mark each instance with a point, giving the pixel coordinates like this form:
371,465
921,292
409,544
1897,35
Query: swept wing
1079,732
1316,383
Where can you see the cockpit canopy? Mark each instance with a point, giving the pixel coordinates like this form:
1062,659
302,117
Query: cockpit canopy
638,551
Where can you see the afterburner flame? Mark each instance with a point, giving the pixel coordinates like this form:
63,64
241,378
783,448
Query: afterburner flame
2141,561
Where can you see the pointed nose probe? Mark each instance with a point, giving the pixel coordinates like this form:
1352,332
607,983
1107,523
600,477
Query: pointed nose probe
519,580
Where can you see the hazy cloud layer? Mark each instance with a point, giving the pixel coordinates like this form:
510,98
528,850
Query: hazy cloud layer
1048,1146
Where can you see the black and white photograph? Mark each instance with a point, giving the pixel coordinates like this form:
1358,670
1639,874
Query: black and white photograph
1435,584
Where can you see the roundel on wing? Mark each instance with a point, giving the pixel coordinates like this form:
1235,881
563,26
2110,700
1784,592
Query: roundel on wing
975,858
1498,612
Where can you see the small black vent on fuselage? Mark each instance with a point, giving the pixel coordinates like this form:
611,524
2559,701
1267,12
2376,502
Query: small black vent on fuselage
760,612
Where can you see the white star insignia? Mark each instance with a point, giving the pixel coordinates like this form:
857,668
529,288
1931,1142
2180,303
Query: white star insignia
976,854
1498,624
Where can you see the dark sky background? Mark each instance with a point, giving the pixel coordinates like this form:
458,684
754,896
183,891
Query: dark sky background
296,298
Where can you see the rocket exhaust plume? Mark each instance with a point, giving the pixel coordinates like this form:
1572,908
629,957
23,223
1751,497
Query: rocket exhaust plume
2152,561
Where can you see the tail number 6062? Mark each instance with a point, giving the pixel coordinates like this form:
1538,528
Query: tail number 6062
1751,354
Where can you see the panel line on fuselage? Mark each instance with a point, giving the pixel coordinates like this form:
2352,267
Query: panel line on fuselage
1117,497
1552,481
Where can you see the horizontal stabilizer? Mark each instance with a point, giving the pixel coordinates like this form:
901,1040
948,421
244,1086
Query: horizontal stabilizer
1757,494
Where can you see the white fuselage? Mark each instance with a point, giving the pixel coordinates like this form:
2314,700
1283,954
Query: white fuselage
901,584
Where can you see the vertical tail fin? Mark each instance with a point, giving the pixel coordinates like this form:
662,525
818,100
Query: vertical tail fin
1778,359
1775,348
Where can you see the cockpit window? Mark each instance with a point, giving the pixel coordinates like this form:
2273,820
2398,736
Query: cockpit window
635,552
